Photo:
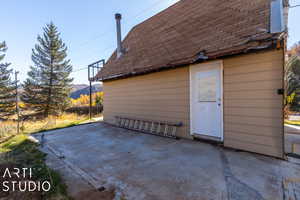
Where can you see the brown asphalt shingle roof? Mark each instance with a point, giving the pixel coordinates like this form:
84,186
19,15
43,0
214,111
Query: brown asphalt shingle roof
178,34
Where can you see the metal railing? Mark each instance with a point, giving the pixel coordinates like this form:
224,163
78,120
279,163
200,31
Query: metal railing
93,70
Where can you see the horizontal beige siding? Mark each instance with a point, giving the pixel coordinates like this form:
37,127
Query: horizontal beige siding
252,108
157,96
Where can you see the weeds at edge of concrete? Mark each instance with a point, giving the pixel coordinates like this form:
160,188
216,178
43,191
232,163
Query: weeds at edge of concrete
73,124
24,153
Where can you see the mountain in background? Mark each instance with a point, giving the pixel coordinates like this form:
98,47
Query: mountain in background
82,89
78,87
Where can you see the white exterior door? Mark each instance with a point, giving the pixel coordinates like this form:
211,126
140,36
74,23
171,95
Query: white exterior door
206,100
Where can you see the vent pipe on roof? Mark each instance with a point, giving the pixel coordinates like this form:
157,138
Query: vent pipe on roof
119,36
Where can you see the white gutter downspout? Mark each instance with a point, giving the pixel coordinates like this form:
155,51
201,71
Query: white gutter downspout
277,21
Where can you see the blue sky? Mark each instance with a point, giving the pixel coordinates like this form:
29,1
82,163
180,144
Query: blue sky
294,23
87,27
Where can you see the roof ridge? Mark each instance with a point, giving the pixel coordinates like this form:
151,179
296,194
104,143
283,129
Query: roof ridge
176,35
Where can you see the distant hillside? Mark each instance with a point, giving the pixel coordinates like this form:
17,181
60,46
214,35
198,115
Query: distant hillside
78,87
84,90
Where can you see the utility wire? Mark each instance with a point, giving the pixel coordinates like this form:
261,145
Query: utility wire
111,31
84,68
80,69
125,23
296,4
145,10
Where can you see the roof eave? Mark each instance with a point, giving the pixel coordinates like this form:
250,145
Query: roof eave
271,44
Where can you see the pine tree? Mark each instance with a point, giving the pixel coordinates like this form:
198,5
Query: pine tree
47,89
292,83
7,88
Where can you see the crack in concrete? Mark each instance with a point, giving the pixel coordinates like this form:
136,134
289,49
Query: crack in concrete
117,156
89,179
237,190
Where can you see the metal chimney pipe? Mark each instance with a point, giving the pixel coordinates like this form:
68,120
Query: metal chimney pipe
118,17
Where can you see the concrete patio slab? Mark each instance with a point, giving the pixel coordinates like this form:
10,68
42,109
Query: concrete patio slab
140,166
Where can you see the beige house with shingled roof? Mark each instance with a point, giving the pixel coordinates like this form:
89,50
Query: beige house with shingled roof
215,66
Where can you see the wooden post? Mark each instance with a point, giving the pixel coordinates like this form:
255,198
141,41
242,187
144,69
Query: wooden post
17,102
90,110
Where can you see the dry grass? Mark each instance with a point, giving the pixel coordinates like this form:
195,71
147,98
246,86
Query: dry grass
9,128
52,123
21,151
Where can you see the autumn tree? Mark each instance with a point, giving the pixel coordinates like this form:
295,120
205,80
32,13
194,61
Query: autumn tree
294,50
292,77
47,89
84,100
7,88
